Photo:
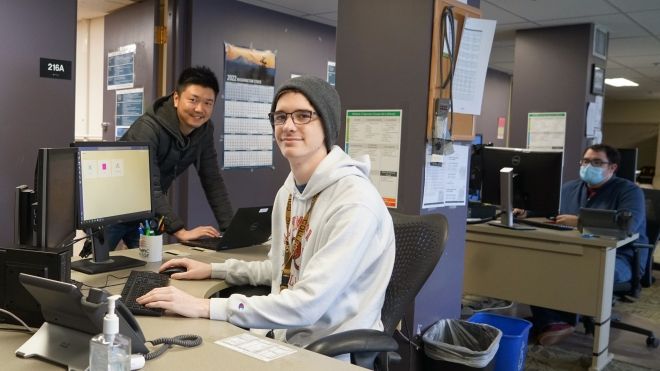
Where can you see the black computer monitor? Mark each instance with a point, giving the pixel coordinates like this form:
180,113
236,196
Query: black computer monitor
537,178
114,186
52,213
628,165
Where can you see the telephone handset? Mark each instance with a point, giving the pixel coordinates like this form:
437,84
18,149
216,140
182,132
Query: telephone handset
63,304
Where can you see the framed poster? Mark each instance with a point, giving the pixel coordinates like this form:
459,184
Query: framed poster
597,80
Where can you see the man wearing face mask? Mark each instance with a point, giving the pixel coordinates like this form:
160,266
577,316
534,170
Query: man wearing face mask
597,188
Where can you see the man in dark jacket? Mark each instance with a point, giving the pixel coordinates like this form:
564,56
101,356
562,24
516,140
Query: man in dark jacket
179,131
597,188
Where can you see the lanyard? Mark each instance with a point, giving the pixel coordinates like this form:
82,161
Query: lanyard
293,249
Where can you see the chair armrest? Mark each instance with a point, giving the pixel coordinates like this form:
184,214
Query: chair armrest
354,341
645,280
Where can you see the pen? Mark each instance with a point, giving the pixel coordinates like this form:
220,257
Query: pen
148,230
159,229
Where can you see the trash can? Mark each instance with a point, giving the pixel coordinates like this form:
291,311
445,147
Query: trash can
452,344
513,346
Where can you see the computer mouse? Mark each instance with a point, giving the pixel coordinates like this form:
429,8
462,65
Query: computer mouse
171,270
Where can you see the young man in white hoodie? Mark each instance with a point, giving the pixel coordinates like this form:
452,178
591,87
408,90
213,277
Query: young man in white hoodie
332,250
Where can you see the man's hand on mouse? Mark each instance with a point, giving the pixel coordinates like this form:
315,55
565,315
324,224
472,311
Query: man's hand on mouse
195,270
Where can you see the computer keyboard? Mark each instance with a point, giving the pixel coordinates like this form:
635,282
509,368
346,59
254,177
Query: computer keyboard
138,284
210,243
548,224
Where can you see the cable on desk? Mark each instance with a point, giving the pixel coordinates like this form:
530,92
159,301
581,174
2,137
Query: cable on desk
187,341
15,317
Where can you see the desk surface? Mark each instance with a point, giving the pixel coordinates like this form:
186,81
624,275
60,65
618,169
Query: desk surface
205,357
554,269
546,234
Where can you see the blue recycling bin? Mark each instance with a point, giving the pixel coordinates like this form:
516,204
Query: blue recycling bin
513,345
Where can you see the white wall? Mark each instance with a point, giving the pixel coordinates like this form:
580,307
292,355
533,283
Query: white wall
89,79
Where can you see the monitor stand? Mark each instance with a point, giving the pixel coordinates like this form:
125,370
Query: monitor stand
102,261
506,203
58,344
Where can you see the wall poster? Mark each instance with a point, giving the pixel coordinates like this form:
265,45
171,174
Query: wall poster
249,88
331,73
121,68
377,133
546,130
129,106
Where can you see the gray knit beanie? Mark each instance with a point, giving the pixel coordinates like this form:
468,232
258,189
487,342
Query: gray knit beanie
325,100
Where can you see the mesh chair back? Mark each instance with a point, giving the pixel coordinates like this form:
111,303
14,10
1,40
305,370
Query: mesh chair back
420,241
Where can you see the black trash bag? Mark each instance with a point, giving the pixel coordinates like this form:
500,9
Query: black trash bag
465,343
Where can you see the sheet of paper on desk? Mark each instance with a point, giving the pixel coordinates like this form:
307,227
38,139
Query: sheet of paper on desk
256,347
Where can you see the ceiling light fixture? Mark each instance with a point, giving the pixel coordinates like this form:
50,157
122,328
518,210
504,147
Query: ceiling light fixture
619,82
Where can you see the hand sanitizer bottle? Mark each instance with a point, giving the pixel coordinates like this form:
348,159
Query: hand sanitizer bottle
110,350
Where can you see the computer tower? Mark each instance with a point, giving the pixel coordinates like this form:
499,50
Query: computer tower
53,264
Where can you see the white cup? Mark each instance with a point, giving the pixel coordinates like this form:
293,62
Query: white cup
151,248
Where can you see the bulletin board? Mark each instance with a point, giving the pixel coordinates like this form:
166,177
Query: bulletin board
463,124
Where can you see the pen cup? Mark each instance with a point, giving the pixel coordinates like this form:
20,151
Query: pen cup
151,248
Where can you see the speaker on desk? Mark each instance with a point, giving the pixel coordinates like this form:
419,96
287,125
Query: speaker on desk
23,224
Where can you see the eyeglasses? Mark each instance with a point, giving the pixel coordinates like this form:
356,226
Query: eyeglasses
299,117
595,162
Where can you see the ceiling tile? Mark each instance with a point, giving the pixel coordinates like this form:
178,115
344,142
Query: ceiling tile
653,72
492,11
634,46
514,26
649,19
646,61
272,6
623,72
618,25
552,9
636,5
304,6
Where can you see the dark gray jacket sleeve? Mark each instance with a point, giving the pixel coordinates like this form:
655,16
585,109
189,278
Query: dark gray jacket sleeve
145,130
212,182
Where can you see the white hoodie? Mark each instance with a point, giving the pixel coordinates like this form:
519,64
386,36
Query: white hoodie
345,265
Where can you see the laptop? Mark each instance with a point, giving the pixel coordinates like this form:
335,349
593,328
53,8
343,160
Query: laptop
250,226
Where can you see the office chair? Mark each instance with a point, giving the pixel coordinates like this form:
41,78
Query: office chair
634,287
420,241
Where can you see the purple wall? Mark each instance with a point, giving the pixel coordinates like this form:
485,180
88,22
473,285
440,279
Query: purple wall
35,112
302,47
497,97
552,73
133,24
383,62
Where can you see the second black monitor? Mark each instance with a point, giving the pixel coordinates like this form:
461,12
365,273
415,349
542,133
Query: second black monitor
537,178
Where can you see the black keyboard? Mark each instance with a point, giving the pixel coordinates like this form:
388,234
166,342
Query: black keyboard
210,243
138,284
548,225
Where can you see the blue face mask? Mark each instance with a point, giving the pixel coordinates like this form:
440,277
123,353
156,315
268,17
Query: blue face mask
592,175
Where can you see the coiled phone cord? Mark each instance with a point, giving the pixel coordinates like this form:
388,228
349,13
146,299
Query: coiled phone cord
188,341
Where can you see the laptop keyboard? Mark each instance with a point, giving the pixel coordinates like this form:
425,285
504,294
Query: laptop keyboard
138,284
548,225
204,242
